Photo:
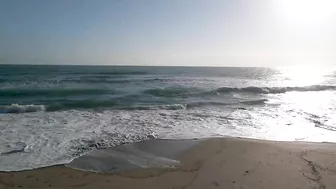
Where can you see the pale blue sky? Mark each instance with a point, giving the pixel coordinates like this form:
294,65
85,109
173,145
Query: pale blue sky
172,32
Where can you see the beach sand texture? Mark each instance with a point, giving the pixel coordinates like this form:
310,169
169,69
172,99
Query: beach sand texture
212,163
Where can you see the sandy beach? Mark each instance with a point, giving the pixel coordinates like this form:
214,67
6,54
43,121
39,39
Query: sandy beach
211,163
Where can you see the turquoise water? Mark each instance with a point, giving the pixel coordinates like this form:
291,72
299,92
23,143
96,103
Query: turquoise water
52,114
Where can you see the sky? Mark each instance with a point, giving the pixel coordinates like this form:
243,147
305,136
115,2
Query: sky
170,33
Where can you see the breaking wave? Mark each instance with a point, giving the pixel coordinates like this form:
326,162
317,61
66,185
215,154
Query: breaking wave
185,92
275,90
16,108
52,92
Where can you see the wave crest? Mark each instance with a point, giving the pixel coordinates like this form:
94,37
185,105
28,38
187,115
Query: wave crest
16,108
275,90
52,92
157,107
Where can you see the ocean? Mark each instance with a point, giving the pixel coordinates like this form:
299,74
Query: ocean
52,114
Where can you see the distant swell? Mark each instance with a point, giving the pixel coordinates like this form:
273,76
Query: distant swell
52,92
275,90
171,92
105,80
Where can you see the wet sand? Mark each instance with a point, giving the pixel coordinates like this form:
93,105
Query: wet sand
211,163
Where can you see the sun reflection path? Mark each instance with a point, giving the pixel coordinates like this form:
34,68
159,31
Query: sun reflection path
302,116
305,75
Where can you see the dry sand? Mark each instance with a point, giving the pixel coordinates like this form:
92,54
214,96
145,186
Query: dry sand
213,163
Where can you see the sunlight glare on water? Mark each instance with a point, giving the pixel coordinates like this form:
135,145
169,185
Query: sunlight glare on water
302,115
305,75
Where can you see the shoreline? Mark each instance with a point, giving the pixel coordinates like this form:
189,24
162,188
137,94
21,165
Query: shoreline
95,151
207,163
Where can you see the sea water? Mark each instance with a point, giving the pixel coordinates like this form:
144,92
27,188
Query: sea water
52,114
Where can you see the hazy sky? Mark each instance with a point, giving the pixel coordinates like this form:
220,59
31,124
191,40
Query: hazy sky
170,32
